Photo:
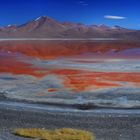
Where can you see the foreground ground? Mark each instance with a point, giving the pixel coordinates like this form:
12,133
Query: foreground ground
79,79
107,124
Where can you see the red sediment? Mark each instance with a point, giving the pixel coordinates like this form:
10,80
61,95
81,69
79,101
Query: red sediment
55,49
52,90
12,65
84,80
78,80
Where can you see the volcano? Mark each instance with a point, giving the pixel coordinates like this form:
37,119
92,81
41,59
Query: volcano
46,27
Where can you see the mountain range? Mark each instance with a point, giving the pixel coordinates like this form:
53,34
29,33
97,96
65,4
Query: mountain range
46,27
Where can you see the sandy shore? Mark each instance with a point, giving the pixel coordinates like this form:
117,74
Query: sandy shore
107,124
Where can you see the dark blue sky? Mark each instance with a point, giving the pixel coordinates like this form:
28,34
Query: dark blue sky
125,13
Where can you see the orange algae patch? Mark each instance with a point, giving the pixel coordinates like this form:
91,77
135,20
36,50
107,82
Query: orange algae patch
79,80
12,65
52,90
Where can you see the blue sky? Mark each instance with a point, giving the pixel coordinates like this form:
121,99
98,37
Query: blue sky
124,13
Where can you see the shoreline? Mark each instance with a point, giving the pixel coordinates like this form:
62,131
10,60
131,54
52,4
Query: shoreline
66,39
59,39
54,106
81,101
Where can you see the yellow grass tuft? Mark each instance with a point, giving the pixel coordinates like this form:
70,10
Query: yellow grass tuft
58,134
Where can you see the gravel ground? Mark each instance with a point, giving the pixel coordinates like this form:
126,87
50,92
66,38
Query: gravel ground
106,124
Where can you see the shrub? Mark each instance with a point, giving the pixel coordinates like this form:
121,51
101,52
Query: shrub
58,134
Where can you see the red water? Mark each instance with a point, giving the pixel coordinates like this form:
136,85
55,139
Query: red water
55,49
77,80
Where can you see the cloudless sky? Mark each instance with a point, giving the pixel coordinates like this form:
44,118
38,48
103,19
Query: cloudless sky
85,11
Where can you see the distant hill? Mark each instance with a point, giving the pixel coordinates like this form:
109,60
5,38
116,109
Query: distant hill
46,27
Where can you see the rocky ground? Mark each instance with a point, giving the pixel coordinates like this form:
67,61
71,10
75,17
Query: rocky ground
106,124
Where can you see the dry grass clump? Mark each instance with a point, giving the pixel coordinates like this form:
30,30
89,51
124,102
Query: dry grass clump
58,134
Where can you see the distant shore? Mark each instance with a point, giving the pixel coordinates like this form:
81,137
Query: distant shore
65,39
70,39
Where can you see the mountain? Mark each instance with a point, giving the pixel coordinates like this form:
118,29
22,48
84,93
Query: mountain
46,27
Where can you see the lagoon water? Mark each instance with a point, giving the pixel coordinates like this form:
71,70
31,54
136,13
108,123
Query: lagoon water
97,71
